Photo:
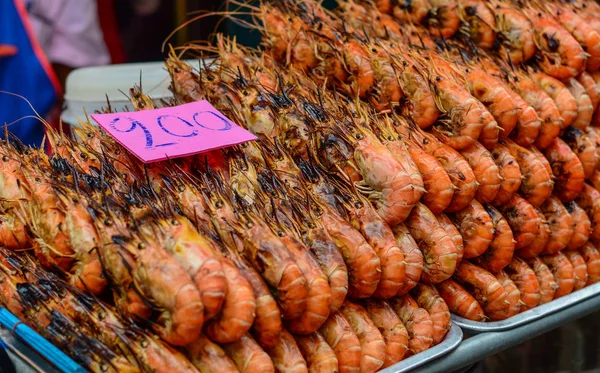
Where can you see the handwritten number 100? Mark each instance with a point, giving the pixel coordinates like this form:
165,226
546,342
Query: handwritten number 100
161,121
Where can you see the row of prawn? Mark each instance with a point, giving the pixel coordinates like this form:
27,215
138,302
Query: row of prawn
356,338
362,347
116,232
334,151
464,92
479,295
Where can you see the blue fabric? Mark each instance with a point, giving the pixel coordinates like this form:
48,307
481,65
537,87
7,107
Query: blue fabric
22,74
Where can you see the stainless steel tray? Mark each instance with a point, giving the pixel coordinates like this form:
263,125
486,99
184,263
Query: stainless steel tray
530,315
482,345
451,342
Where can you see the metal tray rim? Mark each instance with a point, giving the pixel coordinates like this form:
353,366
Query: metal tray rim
529,315
449,344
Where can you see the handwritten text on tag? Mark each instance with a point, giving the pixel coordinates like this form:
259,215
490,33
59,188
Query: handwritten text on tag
171,132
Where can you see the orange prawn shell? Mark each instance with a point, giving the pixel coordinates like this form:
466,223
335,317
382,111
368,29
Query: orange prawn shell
537,184
536,247
417,321
373,347
563,272
563,98
581,226
343,340
392,329
560,225
381,238
516,29
585,34
436,181
579,269
556,44
567,169
439,252
428,298
412,255
485,288
248,356
364,266
584,147
512,292
525,279
486,172
592,261
460,301
384,173
479,21
510,174
545,279
319,356
476,228
501,249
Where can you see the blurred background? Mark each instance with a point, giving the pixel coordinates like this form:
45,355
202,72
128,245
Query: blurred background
42,41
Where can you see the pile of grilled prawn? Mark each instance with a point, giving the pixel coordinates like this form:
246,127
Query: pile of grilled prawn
413,159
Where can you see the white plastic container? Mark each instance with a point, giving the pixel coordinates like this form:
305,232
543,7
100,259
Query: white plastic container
87,88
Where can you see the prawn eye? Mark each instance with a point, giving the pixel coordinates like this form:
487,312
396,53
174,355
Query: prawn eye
249,224
359,136
174,222
438,78
404,63
358,205
219,204
83,155
374,50
108,222
5,158
390,138
89,135
37,179
144,343
467,70
104,367
181,188
553,44
141,246
280,233
470,11
75,200
539,14
245,93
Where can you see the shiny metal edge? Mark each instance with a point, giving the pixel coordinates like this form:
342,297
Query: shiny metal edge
449,344
530,315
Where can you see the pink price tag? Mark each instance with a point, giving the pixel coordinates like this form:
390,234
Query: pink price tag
172,132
